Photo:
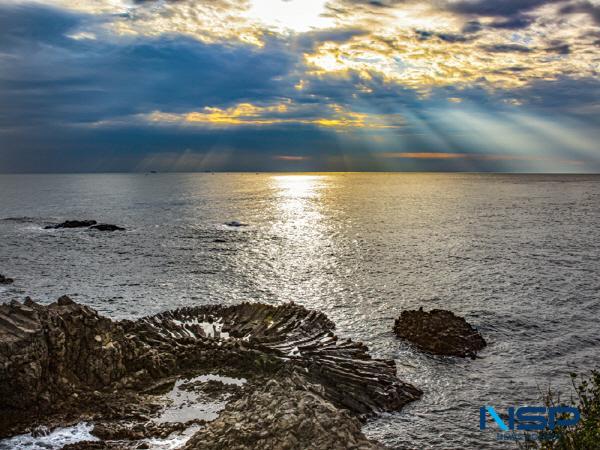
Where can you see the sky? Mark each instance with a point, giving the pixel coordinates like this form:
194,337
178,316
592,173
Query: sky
299,85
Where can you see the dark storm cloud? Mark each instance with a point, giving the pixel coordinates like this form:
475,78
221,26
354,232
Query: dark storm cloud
310,40
472,26
446,37
504,8
583,7
88,80
511,23
509,14
506,48
516,22
79,104
560,48
33,26
512,13
373,3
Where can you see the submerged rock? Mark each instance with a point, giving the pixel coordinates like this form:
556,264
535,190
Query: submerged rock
90,224
235,223
106,227
5,280
439,332
63,362
72,224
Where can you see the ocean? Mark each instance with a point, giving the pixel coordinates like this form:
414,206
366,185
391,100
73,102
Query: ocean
517,255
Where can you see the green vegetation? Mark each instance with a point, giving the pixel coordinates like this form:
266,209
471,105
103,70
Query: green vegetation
585,435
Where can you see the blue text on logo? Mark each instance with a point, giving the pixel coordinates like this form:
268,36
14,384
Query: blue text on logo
531,418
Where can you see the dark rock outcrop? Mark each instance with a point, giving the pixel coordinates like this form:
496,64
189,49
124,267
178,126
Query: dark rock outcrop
72,224
235,223
5,280
282,414
297,338
106,227
64,362
49,353
439,332
90,224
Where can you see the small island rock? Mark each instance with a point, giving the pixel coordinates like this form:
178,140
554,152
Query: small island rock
72,224
106,227
439,332
235,223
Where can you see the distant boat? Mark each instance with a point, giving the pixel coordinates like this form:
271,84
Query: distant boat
153,171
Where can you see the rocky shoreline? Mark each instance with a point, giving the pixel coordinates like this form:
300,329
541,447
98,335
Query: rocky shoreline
63,363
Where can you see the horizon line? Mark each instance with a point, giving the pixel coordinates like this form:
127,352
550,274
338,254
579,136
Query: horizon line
160,172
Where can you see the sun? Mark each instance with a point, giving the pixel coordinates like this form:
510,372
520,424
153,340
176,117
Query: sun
290,15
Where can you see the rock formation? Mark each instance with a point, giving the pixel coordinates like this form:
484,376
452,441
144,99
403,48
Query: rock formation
63,362
235,223
89,224
282,414
106,227
439,332
72,224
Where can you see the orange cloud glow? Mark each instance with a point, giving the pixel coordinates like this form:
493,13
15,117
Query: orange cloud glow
290,158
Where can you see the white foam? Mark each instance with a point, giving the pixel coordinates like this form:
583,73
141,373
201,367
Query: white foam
56,439
173,441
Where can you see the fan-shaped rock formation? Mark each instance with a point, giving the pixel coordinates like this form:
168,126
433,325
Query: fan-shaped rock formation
64,362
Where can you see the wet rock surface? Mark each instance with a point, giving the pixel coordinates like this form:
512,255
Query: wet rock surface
72,224
106,227
5,280
63,363
283,413
89,224
235,224
439,332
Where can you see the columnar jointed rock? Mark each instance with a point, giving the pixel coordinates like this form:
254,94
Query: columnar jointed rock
65,358
5,280
282,414
48,353
344,371
440,332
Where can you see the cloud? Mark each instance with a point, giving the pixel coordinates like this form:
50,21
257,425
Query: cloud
480,157
507,48
584,7
424,155
505,8
247,114
290,158
203,85
516,22
91,80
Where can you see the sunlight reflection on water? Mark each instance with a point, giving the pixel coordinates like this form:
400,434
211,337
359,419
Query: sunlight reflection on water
517,255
